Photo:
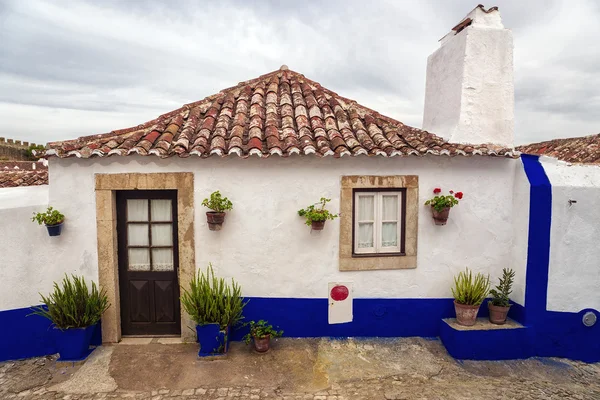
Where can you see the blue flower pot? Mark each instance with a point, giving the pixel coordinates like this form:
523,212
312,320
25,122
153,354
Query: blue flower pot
54,230
73,344
213,341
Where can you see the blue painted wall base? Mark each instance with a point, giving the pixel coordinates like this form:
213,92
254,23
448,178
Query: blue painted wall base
23,336
492,344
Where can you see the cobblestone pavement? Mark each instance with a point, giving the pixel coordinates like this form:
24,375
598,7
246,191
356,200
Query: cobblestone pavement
399,369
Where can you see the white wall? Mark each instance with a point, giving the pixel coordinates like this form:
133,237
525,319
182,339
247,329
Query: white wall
24,246
520,221
574,272
266,246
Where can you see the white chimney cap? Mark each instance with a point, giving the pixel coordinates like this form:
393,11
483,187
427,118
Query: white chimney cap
479,17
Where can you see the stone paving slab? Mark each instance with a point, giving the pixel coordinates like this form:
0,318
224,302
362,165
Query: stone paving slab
321,369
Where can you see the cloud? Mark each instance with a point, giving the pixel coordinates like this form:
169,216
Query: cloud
73,69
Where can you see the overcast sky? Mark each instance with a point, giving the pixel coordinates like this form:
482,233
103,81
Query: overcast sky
70,69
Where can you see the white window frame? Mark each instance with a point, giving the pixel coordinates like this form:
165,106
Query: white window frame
377,223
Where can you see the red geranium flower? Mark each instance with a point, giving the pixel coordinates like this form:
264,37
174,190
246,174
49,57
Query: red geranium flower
452,192
437,190
459,195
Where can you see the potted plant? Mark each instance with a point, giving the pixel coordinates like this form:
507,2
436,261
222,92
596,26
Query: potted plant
468,295
218,204
500,303
441,205
316,214
74,311
261,333
215,306
53,220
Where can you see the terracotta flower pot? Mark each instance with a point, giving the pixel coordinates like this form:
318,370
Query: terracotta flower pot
498,314
466,315
262,345
440,217
215,220
317,225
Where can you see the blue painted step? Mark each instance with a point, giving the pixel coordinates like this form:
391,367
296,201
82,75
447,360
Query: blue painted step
486,341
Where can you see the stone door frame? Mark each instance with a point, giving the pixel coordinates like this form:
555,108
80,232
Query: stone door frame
106,223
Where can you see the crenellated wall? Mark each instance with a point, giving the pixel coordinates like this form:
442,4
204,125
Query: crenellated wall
14,150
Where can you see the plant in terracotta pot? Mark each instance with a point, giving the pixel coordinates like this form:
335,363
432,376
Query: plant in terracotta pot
216,307
469,292
74,311
260,334
441,205
500,302
53,220
218,204
317,214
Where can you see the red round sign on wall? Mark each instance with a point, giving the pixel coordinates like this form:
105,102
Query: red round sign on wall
339,293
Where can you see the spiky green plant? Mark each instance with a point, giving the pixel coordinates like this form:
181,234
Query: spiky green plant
470,291
72,305
211,300
503,289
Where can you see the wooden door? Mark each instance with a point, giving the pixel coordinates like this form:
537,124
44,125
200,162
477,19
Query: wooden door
148,262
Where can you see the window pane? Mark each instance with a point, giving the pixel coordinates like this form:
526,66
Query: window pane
160,210
389,208
162,259
139,260
389,234
365,235
137,210
137,234
366,208
162,235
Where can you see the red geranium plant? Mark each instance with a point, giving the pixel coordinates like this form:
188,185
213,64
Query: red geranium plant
441,204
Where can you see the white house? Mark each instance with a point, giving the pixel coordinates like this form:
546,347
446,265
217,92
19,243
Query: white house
277,143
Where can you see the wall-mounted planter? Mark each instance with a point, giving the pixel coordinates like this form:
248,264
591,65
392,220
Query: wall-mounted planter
73,344
317,225
440,217
213,341
54,230
215,220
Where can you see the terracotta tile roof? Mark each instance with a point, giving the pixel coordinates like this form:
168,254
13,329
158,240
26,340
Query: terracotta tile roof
585,149
14,178
22,165
280,113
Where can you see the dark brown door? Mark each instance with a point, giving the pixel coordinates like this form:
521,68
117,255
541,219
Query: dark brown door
148,262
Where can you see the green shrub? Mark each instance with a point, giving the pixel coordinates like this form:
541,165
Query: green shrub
211,300
503,289
260,330
217,203
50,217
317,214
72,305
470,291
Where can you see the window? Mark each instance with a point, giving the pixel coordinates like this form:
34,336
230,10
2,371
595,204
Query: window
378,222
379,219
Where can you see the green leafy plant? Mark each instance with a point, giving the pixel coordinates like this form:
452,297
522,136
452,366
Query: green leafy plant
50,217
503,289
317,212
439,202
470,291
261,330
211,300
217,202
72,305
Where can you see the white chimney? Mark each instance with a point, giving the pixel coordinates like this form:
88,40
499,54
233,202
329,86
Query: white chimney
469,94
